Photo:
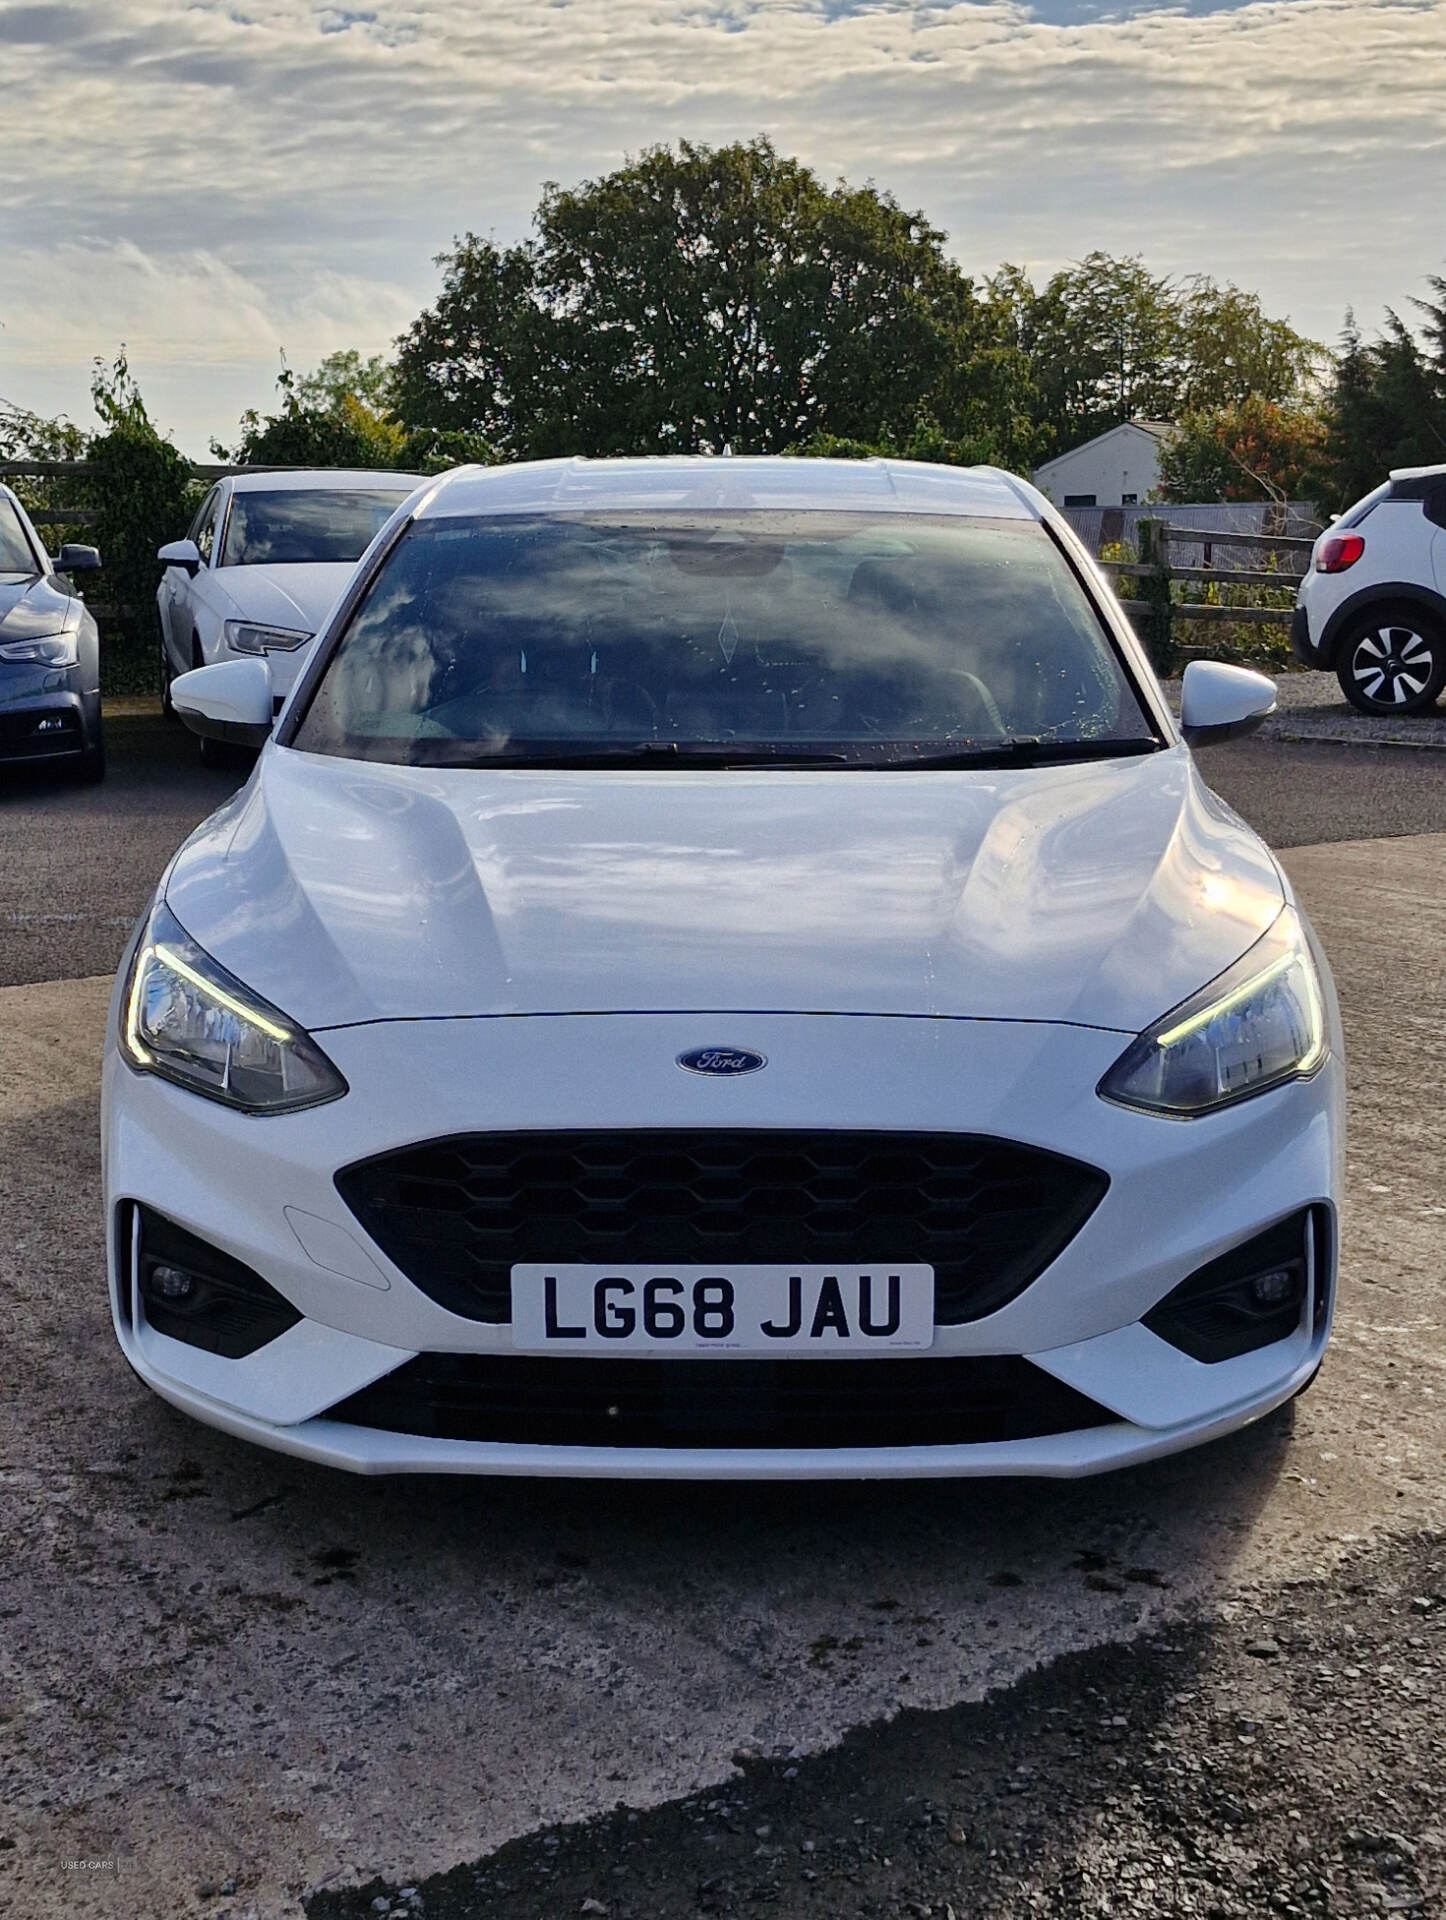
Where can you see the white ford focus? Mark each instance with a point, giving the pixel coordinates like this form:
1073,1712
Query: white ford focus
724,968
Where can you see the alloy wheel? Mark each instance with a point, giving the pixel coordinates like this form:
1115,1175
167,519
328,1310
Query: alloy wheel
1393,667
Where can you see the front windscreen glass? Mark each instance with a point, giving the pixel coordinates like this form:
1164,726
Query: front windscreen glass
266,529
15,552
871,639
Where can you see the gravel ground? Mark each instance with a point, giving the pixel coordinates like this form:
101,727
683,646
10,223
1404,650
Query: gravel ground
77,864
1283,1757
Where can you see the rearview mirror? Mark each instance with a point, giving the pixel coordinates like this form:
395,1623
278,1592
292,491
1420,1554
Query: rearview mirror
180,553
74,558
230,701
1222,703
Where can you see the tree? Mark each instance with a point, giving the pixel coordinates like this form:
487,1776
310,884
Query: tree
334,429
142,490
699,299
337,416
1103,341
344,375
1252,449
464,364
1230,351
30,436
1387,402
1109,341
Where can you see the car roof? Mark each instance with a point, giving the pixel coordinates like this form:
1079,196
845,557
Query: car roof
711,483
314,479
1416,483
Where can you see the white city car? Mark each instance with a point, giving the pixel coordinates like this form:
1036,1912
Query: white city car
724,968
1372,606
266,558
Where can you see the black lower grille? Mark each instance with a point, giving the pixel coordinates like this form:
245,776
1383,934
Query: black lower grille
987,1215
32,733
721,1403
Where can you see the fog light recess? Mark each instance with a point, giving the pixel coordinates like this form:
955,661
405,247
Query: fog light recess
195,1293
1250,1297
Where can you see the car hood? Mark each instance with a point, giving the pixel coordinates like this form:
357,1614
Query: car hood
31,608
299,594
1100,893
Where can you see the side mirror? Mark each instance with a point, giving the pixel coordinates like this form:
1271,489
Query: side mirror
181,553
1222,703
74,558
230,701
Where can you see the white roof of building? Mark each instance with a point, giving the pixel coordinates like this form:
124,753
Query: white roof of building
712,483
1157,430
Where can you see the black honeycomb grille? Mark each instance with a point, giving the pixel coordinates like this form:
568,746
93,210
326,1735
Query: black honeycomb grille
526,1401
987,1215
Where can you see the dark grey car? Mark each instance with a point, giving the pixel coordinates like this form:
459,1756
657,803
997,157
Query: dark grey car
49,653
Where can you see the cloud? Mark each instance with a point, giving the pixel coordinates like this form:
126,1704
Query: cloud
1295,145
203,340
82,298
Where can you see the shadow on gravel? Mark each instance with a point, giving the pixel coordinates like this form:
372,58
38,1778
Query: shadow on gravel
1288,1761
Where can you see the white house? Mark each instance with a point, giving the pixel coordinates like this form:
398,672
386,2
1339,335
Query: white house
1119,468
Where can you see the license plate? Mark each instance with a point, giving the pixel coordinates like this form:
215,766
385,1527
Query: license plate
775,1310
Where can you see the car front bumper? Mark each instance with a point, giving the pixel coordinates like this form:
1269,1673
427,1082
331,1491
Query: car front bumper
44,714
1301,644
1181,1194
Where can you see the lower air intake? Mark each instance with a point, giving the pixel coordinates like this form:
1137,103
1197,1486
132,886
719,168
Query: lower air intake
721,1403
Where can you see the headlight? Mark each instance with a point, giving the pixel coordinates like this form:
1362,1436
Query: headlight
1259,1023
187,1019
58,651
248,636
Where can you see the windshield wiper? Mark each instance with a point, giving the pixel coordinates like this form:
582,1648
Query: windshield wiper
654,753
1026,752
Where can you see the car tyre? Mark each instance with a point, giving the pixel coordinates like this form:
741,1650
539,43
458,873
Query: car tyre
1392,659
89,768
167,673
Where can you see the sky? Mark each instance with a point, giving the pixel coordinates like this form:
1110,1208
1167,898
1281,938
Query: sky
216,182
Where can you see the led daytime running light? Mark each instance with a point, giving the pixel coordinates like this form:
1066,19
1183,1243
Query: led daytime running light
177,965
1247,990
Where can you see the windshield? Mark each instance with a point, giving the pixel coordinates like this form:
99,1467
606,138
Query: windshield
873,639
263,529
15,552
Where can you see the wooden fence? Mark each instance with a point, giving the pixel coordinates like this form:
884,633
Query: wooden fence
1156,609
